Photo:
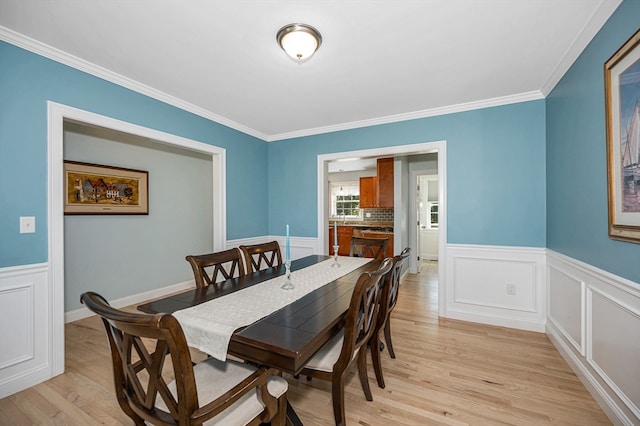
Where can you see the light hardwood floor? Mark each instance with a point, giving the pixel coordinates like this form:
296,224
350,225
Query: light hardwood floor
446,372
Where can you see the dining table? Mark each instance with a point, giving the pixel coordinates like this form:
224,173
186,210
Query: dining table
289,336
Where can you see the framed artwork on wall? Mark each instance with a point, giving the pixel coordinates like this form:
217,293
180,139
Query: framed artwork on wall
97,189
622,103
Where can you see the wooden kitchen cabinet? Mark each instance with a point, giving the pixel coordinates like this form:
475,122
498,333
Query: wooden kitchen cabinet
377,191
344,240
368,192
385,182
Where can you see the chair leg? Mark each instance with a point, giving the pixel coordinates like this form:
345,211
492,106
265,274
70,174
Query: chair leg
337,395
387,338
377,363
362,372
280,418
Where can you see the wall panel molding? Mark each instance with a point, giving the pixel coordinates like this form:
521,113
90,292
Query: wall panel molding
607,310
496,285
610,324
16,323
24,315
566,306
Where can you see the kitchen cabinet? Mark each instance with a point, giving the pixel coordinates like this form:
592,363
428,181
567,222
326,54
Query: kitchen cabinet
385,182
368,192
377,191
344,240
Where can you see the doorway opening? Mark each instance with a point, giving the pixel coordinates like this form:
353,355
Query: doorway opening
427,218
404,220
58,115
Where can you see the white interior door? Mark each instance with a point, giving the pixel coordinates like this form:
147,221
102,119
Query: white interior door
419,222
428,232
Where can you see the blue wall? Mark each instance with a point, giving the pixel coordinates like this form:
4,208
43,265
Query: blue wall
577,223
495,172
28,81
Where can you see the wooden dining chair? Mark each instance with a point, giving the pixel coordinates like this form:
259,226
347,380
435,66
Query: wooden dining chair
207,267
388,299
156,382
333,360
255,255
369,247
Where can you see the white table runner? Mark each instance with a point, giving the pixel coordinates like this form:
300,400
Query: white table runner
209,326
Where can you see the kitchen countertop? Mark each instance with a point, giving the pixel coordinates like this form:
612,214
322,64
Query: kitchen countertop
365,232
362,224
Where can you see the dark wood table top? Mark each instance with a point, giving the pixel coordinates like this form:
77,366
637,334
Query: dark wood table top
287,338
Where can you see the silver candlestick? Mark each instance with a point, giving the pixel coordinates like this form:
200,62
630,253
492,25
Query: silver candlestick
288,285
335,263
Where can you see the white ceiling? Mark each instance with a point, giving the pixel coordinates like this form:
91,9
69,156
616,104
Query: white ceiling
380,61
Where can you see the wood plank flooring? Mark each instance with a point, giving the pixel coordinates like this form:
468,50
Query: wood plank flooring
446,372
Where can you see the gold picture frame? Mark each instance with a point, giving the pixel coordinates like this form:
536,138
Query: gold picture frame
98,189
622,105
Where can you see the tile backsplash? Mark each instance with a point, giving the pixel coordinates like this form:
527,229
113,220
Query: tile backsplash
378,215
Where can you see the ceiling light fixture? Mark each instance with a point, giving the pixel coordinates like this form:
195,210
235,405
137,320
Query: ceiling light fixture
299,41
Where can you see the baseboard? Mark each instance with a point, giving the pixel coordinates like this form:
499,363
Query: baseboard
25,380
493,319
300,247
80,313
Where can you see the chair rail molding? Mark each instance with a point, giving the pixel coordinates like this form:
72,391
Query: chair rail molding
300,246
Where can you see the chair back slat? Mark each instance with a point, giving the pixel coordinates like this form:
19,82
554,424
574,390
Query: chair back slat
389,296
391,285
214,268
155,380
261,256
138,370
369,247
363,310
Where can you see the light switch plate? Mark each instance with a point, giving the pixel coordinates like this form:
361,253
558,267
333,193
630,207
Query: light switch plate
27,224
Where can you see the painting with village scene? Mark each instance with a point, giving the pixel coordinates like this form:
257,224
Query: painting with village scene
622,85
97,189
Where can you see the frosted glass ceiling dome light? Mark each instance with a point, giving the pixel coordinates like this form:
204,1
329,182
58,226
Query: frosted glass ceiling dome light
299,41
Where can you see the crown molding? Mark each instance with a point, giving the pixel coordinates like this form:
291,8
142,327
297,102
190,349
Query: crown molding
582,40
591,28
469,106
65,58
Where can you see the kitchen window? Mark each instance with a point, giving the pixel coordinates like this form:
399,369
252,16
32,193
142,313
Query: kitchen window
345,200
433,215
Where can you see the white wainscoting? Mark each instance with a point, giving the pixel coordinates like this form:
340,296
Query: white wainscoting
299,246
502,286
594,321
24,319
591,316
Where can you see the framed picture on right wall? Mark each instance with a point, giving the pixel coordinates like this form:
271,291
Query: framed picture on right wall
622,103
